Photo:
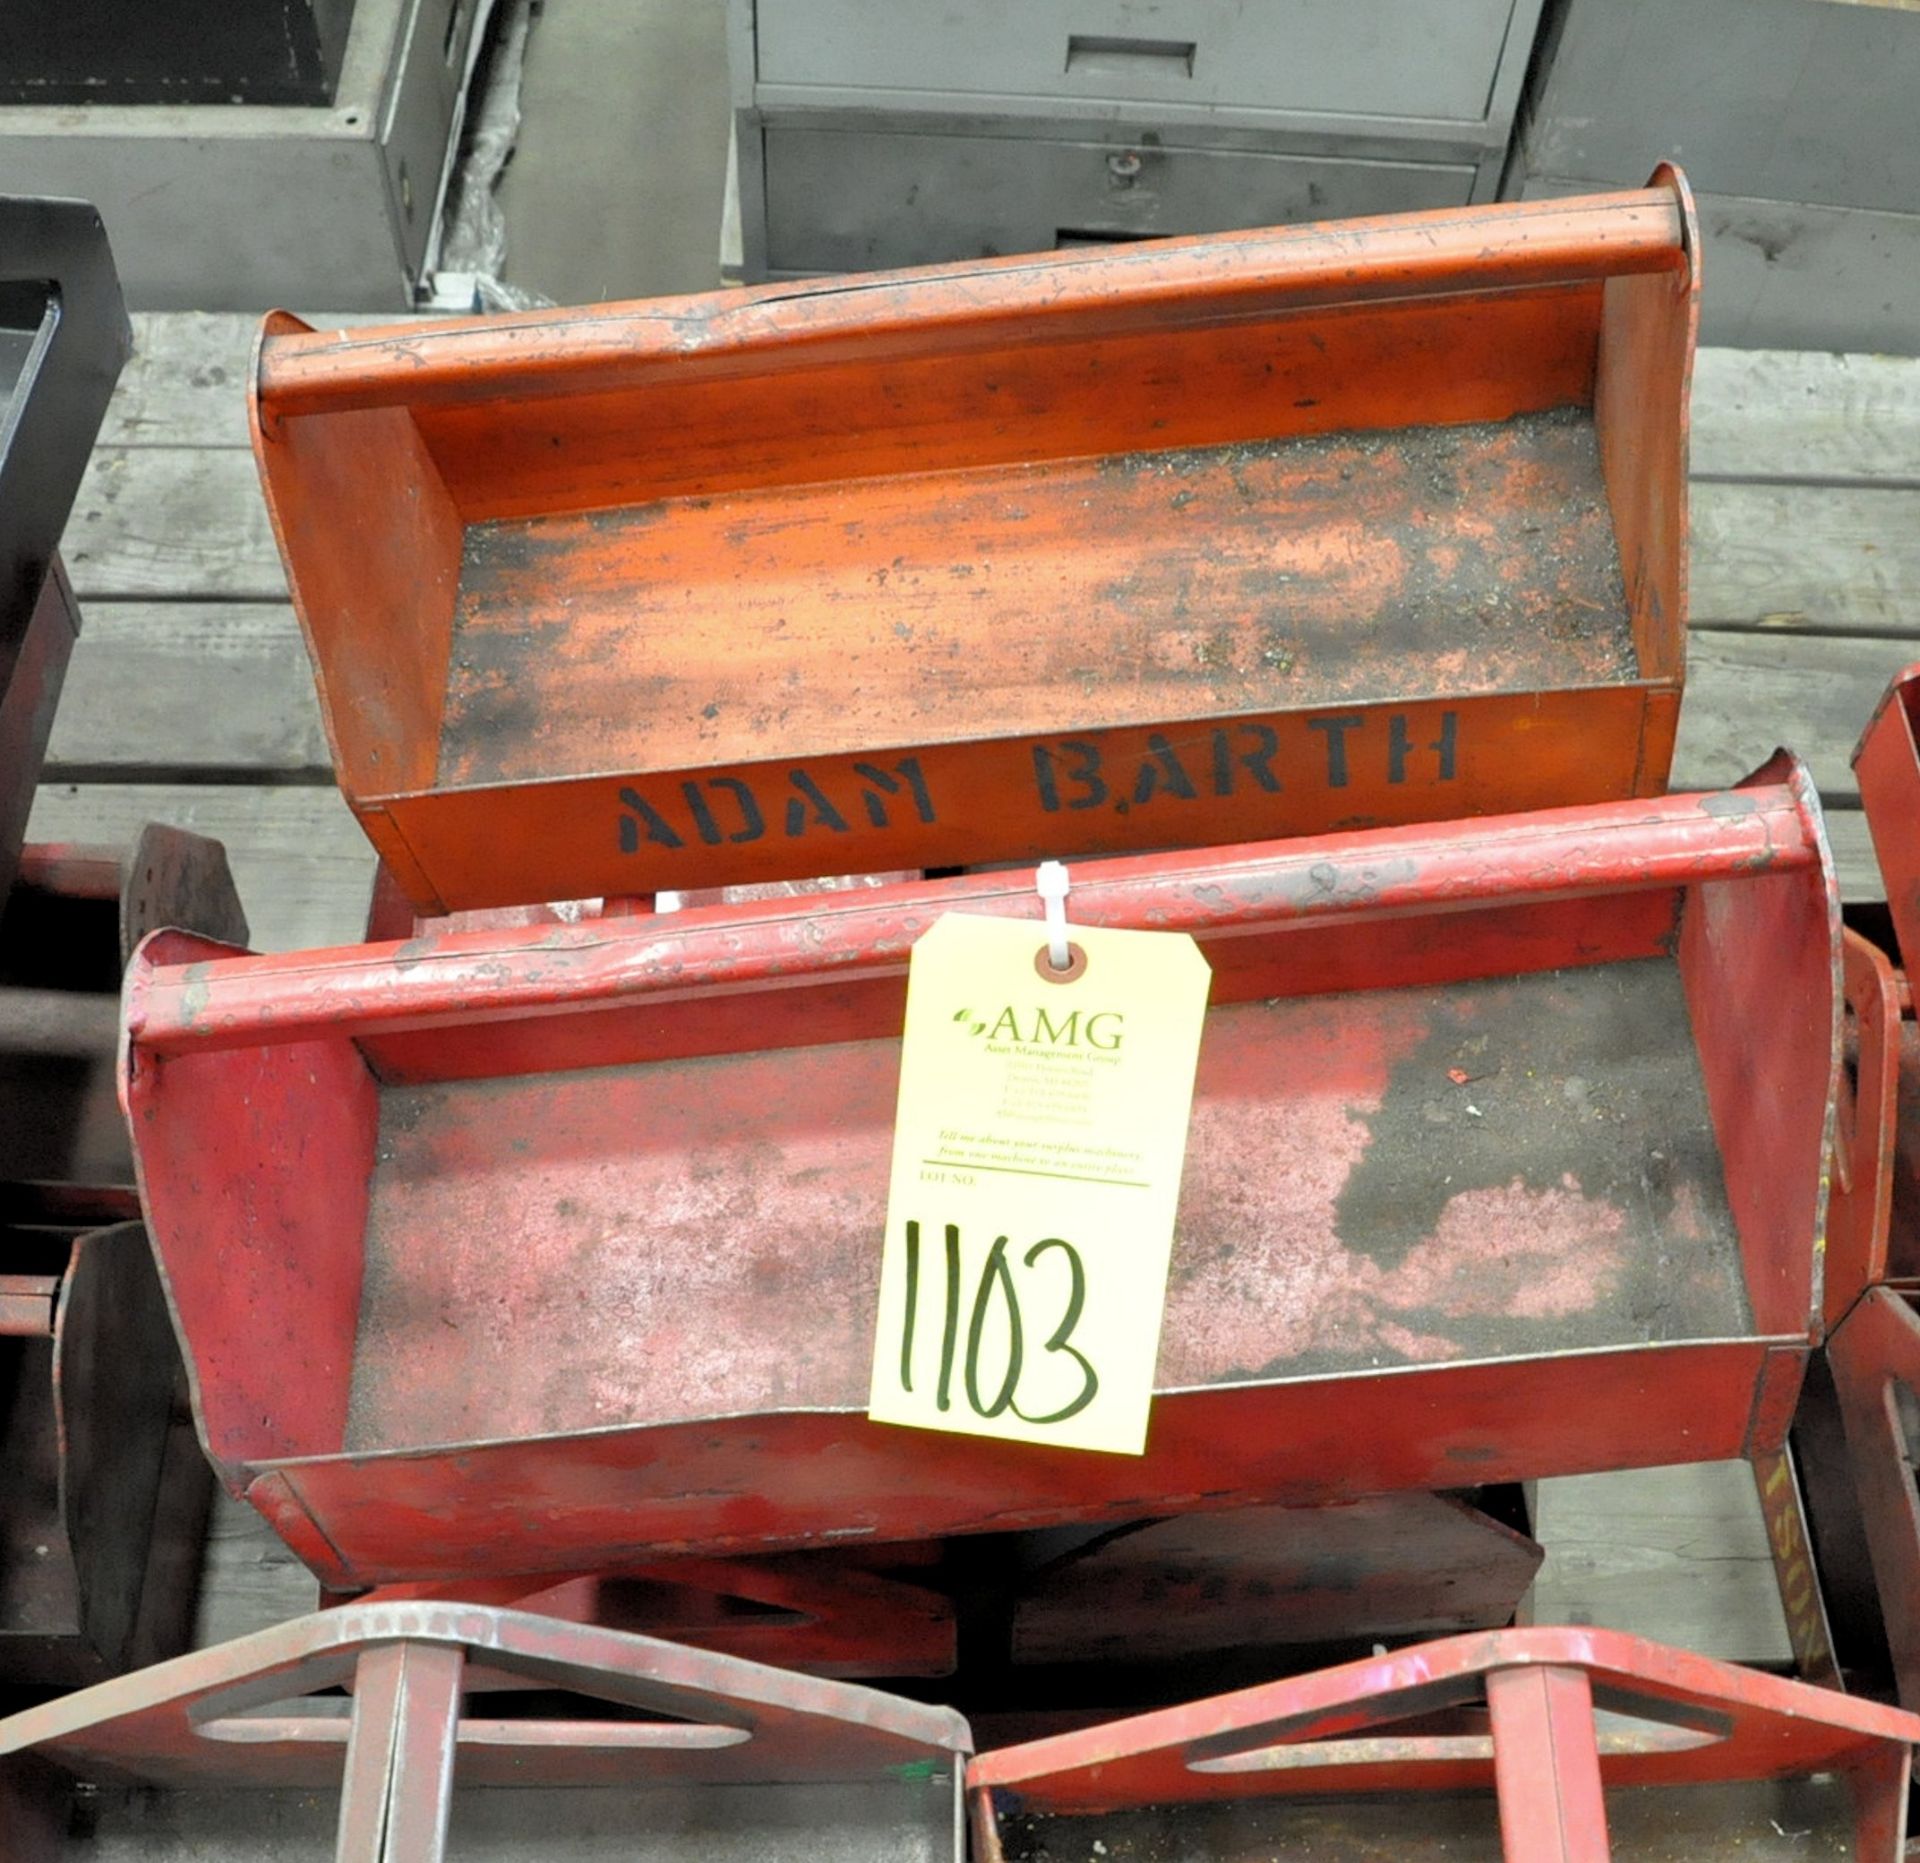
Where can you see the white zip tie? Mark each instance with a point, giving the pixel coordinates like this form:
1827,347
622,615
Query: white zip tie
1050,880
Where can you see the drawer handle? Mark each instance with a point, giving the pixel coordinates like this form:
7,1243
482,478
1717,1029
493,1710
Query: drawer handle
1126,58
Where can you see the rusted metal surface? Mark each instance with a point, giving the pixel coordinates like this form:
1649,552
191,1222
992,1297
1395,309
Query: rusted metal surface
1546,1764
1859,1225
1245,605
1382,522
1671,1719
581,1179
639,1713
397,1791
1570,1218
102,1512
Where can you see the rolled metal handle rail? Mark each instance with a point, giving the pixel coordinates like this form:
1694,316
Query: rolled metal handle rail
1554,853
1407,255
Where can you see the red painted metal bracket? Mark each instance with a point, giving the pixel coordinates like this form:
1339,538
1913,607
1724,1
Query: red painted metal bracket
239,1713
806,1611
1526,1705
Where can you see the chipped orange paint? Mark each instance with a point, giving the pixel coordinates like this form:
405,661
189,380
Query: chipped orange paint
1206,540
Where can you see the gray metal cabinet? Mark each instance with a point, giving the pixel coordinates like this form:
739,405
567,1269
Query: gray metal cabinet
1364,58
886,132
1798,123
856,200
245,206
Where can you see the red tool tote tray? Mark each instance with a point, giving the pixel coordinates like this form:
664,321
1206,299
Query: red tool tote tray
1261,534
540,1248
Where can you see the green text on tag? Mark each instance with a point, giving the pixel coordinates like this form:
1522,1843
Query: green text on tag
1036,1165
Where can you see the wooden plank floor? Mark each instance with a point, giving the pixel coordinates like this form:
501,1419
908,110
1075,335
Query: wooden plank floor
190,701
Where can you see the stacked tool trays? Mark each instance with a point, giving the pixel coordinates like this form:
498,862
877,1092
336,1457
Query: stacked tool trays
526,1262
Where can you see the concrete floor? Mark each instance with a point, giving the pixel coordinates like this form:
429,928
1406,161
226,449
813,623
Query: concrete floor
616,185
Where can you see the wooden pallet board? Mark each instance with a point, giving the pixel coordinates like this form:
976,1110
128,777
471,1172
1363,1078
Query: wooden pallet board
253,717
302,866
185,384
1627,1551
1799,416
189,523
1854,861
254,709
175,522
249,1580
1806,559
1805,417
1749,694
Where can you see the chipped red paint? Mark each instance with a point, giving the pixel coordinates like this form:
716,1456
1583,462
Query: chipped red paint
1536,1743
820,1613
703,1719
579,1178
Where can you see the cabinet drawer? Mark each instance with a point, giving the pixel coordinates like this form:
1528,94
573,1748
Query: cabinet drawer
1798,274
1366,58
1762,99
849,201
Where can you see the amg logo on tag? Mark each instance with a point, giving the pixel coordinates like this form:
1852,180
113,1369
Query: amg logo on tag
1035,1028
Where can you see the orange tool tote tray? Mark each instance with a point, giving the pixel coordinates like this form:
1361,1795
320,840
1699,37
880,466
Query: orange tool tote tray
1210,540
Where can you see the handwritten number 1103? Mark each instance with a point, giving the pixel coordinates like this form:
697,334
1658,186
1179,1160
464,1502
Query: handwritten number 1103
996,1280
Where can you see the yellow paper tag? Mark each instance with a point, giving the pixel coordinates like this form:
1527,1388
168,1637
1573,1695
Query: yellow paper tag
1036,1165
